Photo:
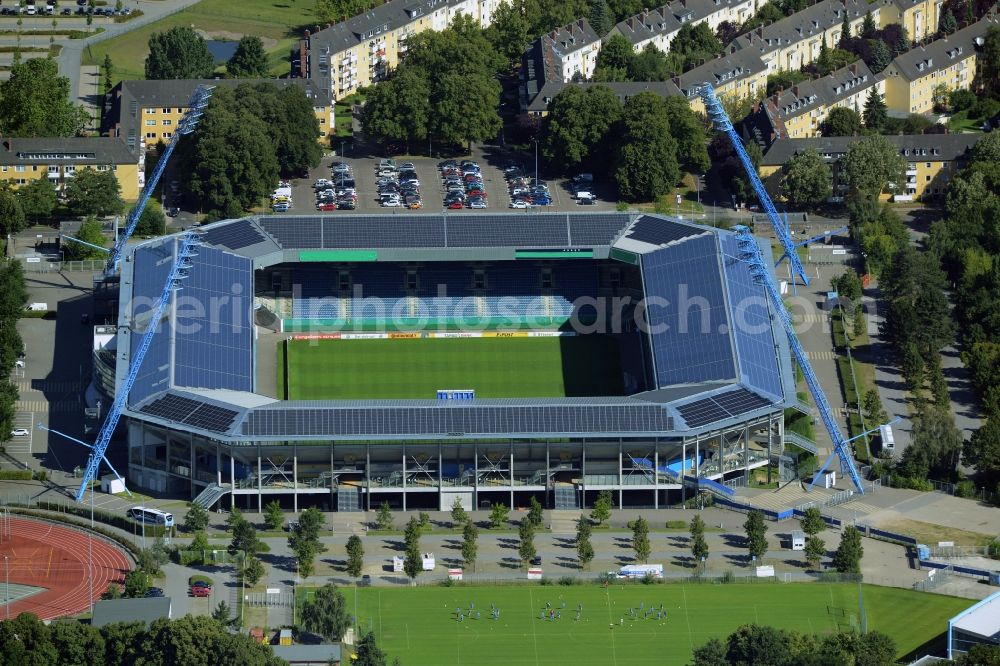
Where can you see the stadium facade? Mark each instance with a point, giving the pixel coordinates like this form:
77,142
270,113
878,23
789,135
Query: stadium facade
707,372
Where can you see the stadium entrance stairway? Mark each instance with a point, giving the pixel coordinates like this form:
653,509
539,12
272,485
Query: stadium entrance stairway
212,494
786,497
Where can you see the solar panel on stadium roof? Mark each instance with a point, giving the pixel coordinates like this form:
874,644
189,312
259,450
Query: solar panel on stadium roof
702,412
384,231
171,407
740,401
295,232
507,231
210,417
234,236
596,229
659,231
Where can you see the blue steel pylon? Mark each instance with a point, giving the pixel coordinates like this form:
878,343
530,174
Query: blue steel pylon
750,253
720,120
186,244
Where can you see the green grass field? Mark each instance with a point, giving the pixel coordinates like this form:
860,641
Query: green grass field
419,625
279,24
417,368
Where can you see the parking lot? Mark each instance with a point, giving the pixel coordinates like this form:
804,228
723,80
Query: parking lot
432,189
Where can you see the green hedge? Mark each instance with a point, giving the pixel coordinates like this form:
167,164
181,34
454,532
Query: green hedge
15,475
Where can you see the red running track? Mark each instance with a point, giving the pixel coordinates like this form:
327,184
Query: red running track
55,557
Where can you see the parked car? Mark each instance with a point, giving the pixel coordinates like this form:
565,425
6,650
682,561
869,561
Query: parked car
520,203
200,591
281,207
477,203
326,207
457,204
19,432
154,592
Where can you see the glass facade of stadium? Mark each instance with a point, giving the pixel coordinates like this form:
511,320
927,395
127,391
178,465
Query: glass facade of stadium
356,476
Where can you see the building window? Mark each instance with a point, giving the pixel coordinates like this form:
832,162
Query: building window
151,121
928,165
167,122
150,135
167,110
167,135
927,179
19,168
5,169
150,110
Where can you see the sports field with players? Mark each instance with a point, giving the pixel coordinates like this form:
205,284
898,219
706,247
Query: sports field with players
557,625
414,368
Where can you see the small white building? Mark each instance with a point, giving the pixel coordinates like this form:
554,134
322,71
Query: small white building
798,540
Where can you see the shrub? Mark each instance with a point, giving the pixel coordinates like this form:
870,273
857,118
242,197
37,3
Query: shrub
728,577
15,475
966,489
568,580
676,525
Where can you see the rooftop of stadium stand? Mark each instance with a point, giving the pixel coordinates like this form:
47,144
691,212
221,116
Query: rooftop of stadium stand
202,378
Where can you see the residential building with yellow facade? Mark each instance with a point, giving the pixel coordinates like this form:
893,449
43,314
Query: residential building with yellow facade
931,161
796,40
143,113
659,26
60,159
919,17
796,113
735,75
911,79
360,51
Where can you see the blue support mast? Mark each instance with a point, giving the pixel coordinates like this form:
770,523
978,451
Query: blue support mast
186,245
751,254
721,121
196,107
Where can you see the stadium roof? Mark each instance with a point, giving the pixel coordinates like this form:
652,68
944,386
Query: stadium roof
717,355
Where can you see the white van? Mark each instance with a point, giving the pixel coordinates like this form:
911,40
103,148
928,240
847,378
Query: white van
584,194
38,307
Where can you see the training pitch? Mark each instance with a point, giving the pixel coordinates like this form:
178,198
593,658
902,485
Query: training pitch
495,367
420,625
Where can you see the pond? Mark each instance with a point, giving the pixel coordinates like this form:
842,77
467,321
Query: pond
221,51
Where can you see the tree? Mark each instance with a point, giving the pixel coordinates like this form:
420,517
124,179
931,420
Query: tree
326,613
76,643
413,563
464,108
784,79
245,538
876,112
807,181
411,534
355,555
152,221
383,519
311,522
458,513
369,653
575,133
535,514
178,53
815,550
699,547
874,412
689,133
114,591
602,508
812,522
948,23
108,72
274,515
12,217
91,192
91,231
253,571
756,531
871,164
614,60
991,63
868,27
199,543
470,533
647,154
136,584
847,557
288,120
38,199
498,515
35,102
712,653
508,32
982,450
601,19
249,60
845,33
399,109
224,616
234,518
848,285
650,64
880,56
980,655
584,549
526,547
640,539
842,121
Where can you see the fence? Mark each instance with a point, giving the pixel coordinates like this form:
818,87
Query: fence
278,599
839,497
736,505
882,535
829,520
88,265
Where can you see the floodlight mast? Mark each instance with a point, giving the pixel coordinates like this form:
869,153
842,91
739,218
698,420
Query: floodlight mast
186,244
751,254
196,107
721,122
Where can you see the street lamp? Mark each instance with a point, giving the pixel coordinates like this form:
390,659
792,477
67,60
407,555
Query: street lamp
536,160
6,594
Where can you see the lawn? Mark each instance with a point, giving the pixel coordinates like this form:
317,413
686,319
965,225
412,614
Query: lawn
279,24
419,625
417,368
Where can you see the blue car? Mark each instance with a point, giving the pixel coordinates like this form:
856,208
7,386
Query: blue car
541,201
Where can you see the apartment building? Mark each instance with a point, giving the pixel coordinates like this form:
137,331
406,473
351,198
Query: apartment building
919,17
735,74
796,40
797,112
950,62
59,159
573,50
931,161
363,49
143,113
659,26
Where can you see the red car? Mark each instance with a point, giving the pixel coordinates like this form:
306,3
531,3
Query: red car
456,205
324,207
200,591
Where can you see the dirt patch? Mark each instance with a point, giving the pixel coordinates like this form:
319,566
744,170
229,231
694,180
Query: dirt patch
226,36
930,534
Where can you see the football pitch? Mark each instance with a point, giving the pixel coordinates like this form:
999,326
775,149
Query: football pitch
421,627
409,368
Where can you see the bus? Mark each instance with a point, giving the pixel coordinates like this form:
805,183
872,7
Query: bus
151,516
888,444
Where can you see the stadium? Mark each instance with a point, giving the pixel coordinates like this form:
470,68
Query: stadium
346,361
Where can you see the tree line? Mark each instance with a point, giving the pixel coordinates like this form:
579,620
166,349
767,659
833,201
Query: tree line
181,53
644,144
13,297
755,645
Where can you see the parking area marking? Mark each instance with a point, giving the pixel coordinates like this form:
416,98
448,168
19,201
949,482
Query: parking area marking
20,447
821,356
42,386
